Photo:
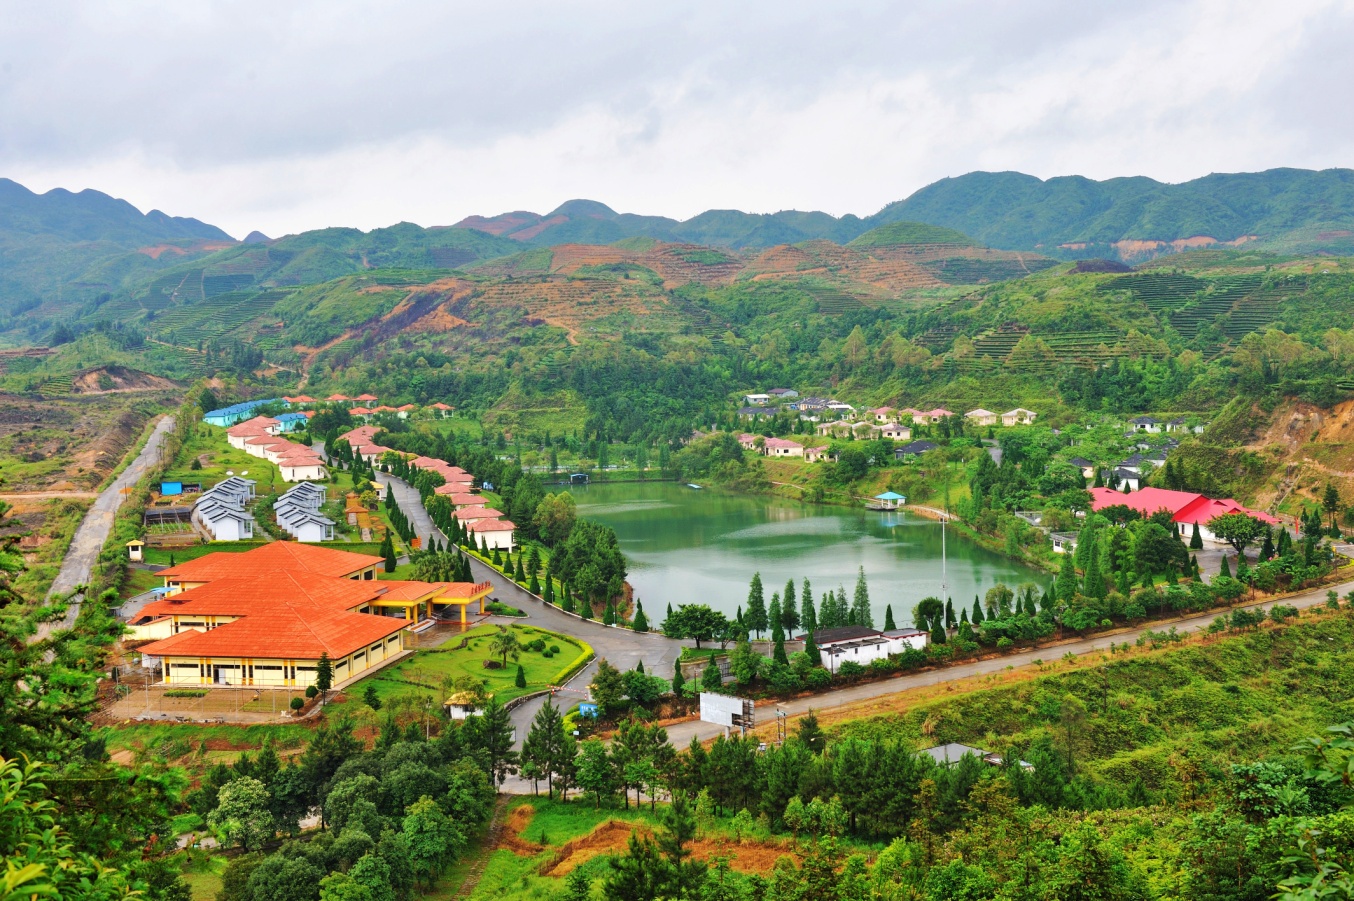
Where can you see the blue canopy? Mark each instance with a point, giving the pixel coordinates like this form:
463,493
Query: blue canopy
889,496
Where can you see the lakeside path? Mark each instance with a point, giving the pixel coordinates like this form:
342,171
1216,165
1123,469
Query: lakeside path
622,648
94,529
680,734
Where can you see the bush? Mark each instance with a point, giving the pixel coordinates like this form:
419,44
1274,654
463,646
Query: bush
554,649
186,693
536,645
311,691
1004,644
818,678
297,703
850,670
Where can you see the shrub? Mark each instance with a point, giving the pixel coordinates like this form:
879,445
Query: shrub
1004,644
850,671
186,693
311,691
818,678
536,645
297,703
554,649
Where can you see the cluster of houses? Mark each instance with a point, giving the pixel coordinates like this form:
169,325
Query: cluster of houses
1009,419
303,407
220,510
261,436
298,513
265,617
485,523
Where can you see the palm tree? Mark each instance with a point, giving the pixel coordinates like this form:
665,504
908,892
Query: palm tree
505,645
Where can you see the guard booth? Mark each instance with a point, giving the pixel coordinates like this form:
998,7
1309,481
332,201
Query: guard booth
136,550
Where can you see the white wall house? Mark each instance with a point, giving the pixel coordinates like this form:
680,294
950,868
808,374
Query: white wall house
302,469
858,644
496,533
225,524
981,417
1018,416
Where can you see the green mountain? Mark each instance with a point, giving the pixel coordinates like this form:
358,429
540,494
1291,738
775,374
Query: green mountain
79,245
1018,212
1287,210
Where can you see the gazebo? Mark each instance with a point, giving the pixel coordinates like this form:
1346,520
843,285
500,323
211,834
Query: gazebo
889,500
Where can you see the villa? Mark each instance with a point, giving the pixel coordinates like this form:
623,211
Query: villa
1018,416
981,417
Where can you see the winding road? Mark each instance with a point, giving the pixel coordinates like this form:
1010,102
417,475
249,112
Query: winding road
94,529
623,648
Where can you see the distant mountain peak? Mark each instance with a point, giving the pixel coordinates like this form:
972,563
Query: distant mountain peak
256,237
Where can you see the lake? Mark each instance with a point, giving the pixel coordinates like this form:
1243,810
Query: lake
702,546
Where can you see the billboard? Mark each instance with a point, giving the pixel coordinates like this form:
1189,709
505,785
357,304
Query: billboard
726,711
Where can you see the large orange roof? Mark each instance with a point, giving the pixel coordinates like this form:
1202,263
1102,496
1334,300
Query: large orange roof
276,556
481,512
399,590
491,525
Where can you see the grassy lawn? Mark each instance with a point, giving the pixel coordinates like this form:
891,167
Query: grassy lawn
424,674
173,740
220,457
202,872
138,581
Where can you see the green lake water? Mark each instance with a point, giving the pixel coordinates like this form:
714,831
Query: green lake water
689,546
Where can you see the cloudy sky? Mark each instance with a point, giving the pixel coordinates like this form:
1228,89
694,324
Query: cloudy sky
288,116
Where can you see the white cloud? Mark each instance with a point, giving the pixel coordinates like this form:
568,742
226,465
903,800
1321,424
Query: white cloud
291,116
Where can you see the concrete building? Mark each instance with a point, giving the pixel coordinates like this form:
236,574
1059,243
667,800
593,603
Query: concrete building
1018,416
496,533
861,645
981,417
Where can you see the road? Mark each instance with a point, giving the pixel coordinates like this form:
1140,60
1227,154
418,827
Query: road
680,734
93,532
622,648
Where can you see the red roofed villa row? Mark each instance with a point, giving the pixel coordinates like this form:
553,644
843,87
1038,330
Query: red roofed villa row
1186,507
264,617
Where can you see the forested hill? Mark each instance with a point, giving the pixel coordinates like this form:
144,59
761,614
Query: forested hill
1291,210
1007,209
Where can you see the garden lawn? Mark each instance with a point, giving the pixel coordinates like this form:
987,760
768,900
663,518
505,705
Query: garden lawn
427,672
220,458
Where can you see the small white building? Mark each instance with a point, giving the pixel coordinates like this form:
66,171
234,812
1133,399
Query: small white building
1064,542
1018,416
857,644
896,432
1145,424
757,400
884,414
981,417
782,447
224,523
302,468
496,533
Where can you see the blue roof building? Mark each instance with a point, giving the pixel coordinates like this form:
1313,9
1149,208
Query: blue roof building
228,416
290,422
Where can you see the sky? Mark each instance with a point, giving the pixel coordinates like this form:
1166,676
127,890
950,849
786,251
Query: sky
289,116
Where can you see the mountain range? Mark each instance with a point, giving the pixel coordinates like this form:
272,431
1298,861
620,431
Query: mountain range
86,247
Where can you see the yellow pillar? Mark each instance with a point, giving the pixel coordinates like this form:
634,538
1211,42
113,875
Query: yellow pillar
463,606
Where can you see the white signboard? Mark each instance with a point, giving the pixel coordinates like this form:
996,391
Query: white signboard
723,710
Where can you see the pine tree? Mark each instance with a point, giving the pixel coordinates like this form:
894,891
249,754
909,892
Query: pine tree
1266,549
519,574
811,651
950,621
388,552
861,615
566,598
977,617
1095,583
641,622
678,680
963,617
937,630
585,607
808,617
609,613
1226,570
789,609
774,616
1067,580
888,618
842,611
1030,609
521,680
1196,541
535,586
756,620
497,558
711,678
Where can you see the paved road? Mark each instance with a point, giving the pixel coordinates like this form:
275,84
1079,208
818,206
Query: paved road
98,522
680,734
622,648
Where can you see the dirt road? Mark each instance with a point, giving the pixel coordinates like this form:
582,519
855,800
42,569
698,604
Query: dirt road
98,522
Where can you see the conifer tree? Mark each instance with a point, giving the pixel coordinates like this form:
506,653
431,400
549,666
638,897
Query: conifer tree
756,620
937,630
641,622
888,618
1067,580
861,615
774,617
811,651
609,613
1095,583
711,678
535,586
977,617
519,575
1196,541
789,609
842,611
566,598
1030,609
808,616
1226,570
950,621
388,552
963,617
1266,549
678,680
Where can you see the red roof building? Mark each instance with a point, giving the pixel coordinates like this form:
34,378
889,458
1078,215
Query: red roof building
1186,507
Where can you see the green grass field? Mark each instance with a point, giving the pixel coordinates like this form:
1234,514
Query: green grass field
427,671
